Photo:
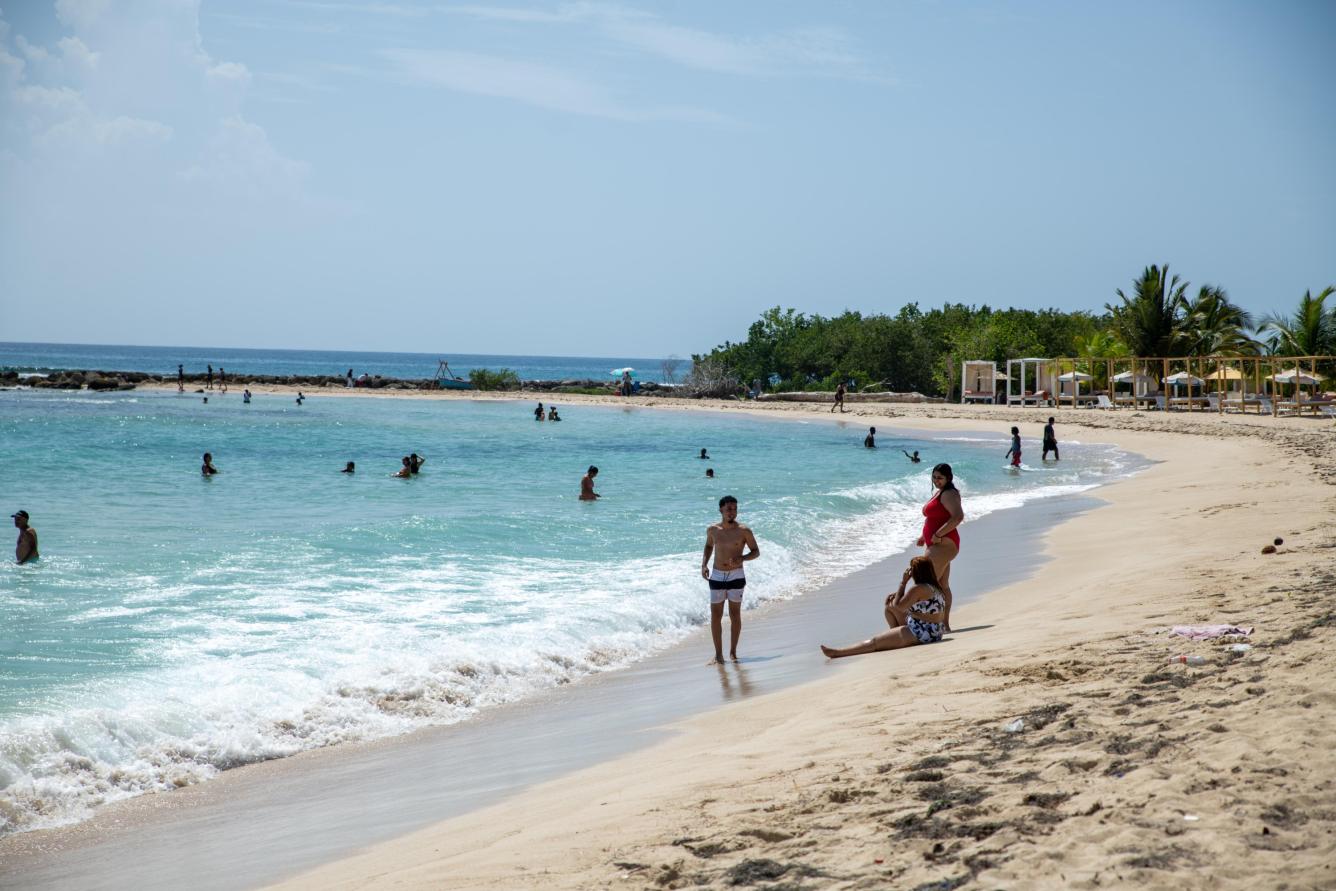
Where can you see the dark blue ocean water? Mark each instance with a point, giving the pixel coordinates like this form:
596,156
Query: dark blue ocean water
42,357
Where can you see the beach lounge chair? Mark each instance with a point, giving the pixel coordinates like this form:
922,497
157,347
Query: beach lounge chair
1102,401
1159,403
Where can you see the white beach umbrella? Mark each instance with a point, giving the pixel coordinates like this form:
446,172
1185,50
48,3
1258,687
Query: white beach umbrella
1075,376
1124,377
1182,377
1295,376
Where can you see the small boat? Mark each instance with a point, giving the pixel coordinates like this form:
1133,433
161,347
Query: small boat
447,380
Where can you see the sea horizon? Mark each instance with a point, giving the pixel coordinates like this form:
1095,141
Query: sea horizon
36,358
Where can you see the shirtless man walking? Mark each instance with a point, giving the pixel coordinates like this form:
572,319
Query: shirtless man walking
732,544
26,548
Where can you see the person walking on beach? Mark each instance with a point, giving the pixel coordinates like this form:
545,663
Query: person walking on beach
915,613
26,547
538,412
1050,442
870,441
180,378
1014,453
587,492
731,544
939,538
208,379
207,469
222,378
914,458
840,390
348,381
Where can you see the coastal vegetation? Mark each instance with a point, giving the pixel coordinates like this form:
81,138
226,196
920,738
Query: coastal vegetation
500,379
921,350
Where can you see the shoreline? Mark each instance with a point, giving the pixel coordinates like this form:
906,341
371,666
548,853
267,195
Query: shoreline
773,618
1129,771
483,861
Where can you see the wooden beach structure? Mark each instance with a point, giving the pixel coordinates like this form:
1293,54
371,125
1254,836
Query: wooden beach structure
978,381
1273,385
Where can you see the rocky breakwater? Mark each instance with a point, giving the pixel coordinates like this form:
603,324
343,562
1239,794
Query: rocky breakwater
78,380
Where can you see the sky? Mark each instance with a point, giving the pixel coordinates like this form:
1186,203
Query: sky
642,179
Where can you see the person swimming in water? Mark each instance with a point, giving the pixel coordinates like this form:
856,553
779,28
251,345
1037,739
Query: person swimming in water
406,471
709,473
351,468
914,458
552,414
703,455
207,469
538,412
415,462
870,441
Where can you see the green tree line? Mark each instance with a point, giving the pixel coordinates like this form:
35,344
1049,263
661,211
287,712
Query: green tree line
922,350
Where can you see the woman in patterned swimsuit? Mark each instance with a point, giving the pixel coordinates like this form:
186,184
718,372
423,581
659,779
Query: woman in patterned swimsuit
916,615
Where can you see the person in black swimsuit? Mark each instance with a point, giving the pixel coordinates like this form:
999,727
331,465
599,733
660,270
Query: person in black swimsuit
1050,442
870,441
208,469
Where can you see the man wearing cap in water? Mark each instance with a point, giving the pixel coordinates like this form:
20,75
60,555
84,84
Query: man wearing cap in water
27,545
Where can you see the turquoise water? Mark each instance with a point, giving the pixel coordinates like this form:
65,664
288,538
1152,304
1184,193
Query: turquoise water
177,626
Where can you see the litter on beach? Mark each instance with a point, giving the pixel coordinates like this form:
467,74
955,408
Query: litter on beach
1015,726
1206,632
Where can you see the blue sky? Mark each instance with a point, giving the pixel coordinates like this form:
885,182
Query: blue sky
637,179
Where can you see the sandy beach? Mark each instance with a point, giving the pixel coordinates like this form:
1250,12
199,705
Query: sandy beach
899,769
1128,770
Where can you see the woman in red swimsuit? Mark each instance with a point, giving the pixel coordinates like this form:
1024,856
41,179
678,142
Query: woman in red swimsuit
940,540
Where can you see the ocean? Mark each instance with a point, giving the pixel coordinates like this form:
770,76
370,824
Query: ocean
41,358
177,626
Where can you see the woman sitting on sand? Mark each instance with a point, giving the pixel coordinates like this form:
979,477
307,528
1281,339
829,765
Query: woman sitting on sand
939,538
916,615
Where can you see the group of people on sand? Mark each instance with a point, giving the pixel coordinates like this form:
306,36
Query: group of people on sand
551,413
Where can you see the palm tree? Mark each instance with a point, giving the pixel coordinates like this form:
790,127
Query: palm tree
1311,331
1147,321
1210,325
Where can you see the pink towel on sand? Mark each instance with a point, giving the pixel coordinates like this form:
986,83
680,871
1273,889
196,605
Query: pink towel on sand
1205,632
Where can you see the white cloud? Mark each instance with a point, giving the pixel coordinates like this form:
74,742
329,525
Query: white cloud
81,14
230,73
73,51
533,84
31,52
816,51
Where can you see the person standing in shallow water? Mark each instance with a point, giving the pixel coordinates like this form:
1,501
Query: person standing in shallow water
870,441
538,412
1014,453
939,538
1050,442
731,544
587,492
26,547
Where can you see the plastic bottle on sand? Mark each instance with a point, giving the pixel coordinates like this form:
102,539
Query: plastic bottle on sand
1189,660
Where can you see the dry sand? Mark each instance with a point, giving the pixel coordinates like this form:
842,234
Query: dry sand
1129,771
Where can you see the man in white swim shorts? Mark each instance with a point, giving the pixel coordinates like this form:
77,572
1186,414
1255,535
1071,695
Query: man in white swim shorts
732,544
